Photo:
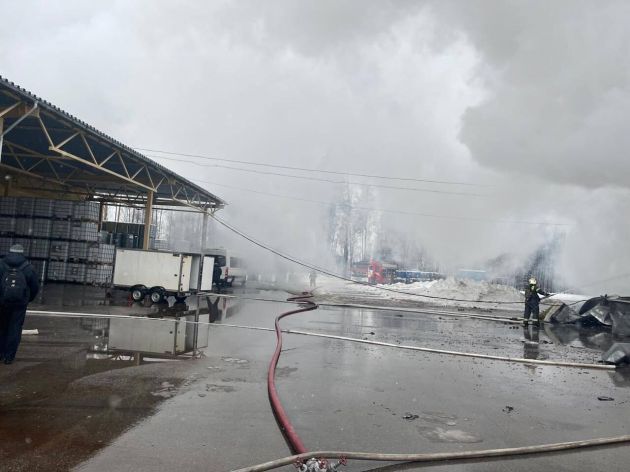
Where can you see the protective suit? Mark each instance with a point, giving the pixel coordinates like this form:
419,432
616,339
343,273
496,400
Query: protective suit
532,301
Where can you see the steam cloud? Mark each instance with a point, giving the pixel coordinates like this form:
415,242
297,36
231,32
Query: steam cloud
528,98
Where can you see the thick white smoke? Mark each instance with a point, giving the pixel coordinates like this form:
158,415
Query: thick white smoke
528,98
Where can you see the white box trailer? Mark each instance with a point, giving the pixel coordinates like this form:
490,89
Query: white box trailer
161,273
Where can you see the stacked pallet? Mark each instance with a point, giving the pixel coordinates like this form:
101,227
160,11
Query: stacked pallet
60,238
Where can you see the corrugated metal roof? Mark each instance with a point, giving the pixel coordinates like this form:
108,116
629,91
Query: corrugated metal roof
80,125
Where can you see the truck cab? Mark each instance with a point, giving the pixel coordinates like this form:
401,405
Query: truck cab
381,273
232,266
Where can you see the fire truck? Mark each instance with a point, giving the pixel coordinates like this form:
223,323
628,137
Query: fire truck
381,272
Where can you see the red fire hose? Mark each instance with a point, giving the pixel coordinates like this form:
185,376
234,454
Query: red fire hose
288,431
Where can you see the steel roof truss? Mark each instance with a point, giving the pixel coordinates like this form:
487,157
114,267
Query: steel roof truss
8,109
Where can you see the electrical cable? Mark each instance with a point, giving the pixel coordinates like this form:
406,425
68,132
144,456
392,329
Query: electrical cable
347,279
427,311
304,169
541,362
614,277
338,182
379,287
575,302
383,210
517,360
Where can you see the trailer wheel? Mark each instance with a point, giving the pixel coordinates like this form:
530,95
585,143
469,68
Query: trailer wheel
157,295
138,293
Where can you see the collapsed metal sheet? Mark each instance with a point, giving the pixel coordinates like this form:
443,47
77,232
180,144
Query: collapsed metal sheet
620,315
599,314
559,312
619,353
607,310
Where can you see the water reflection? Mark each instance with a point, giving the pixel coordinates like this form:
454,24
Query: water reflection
69,387
621,377
222,308
531,346
593,337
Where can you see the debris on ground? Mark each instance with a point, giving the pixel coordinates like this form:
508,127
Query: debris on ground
606,310
508,409
166,390
605,399
619,353
410,417
234,360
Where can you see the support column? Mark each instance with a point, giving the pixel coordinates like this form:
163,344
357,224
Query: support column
204,231
1,136
101,215
148,216
5,182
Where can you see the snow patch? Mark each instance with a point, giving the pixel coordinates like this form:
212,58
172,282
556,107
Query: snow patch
449,292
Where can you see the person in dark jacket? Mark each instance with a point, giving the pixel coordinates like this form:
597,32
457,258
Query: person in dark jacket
12,314
532,301
216,276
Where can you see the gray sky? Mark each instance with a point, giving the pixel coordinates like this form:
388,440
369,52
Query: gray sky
528,98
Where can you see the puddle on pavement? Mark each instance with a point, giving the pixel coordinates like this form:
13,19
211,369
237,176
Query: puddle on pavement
53,296
69,407
105,375
443,435
81,382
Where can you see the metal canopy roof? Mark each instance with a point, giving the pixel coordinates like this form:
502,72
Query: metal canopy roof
48,152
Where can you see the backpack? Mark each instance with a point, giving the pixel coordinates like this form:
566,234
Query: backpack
14,289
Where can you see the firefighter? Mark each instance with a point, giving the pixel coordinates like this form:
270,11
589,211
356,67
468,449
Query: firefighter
18,287
532,301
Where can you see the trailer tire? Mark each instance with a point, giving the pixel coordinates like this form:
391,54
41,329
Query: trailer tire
138,293
157,295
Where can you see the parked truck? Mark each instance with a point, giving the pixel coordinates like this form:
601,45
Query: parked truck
233,270
161,274
381,272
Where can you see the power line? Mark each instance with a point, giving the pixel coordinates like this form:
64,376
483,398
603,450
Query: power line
384,210
319,179
304,169
341,277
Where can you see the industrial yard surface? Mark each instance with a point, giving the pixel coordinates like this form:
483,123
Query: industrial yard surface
68,403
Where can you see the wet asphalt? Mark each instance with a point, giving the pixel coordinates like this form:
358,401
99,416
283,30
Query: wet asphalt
68,403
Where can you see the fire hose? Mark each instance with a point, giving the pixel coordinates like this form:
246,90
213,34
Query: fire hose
318,461
288,431
438,456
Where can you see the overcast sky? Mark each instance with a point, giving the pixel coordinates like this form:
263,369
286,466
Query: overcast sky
530,100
